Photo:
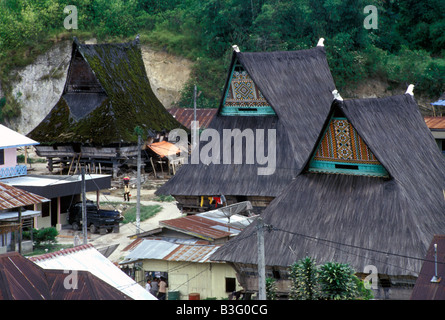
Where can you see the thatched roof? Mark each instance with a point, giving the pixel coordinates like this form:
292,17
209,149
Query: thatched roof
360,220
298,86
106,95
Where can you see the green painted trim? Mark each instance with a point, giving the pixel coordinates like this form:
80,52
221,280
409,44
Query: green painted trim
376,170
362,169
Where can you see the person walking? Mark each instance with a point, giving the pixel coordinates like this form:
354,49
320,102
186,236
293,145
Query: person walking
126,189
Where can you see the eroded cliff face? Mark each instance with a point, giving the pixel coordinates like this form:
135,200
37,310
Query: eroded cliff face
40,84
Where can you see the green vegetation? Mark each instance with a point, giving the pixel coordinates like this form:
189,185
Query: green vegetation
407,47
146,212
271,289
44,240
330,281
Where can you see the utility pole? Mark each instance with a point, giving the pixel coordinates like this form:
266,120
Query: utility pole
84,208
138,204
195,135
261,260
20,233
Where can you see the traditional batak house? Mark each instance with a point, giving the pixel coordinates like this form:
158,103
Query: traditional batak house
286,94
106,96
370,194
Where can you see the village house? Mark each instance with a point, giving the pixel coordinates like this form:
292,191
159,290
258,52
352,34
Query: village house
18,209
369,194
106,103
288,93
179,251
186,266
58,191
88,258
9,142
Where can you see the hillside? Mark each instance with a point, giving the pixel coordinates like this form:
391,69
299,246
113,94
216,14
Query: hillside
38,86
406,47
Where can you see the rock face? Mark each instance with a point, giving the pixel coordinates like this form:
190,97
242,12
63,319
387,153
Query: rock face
40,84
167,74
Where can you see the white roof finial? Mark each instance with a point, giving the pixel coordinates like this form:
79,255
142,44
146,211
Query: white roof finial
410,90
235,48
337,95
320,42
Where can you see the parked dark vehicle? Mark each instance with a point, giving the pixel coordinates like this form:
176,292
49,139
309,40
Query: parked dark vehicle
97,219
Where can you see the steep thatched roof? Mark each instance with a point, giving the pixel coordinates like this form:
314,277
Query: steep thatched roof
297,85
106,95
360,220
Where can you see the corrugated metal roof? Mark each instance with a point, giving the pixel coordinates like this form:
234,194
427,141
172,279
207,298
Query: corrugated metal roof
185,116
440,101
435,123
10,139
87,258
150,249
22,279
11,197
201,227
189,253
13,215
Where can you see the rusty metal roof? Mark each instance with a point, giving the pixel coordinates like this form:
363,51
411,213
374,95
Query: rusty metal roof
185,116
424,289
191,253
435,123
12,197
158,249
22,279
200,227
88,258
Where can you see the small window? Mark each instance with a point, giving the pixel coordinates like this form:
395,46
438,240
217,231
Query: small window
45,209
346,166
230,284
2,156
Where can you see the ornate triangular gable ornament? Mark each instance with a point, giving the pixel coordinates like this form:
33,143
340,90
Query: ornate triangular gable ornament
243,97
343,151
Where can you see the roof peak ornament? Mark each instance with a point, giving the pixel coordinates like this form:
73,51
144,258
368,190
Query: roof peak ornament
410,90
320,42
337,95
235,48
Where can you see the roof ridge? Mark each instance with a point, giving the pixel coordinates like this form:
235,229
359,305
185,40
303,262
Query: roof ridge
61,252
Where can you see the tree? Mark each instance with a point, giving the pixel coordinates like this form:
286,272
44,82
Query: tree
304,276
337,281
330,281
